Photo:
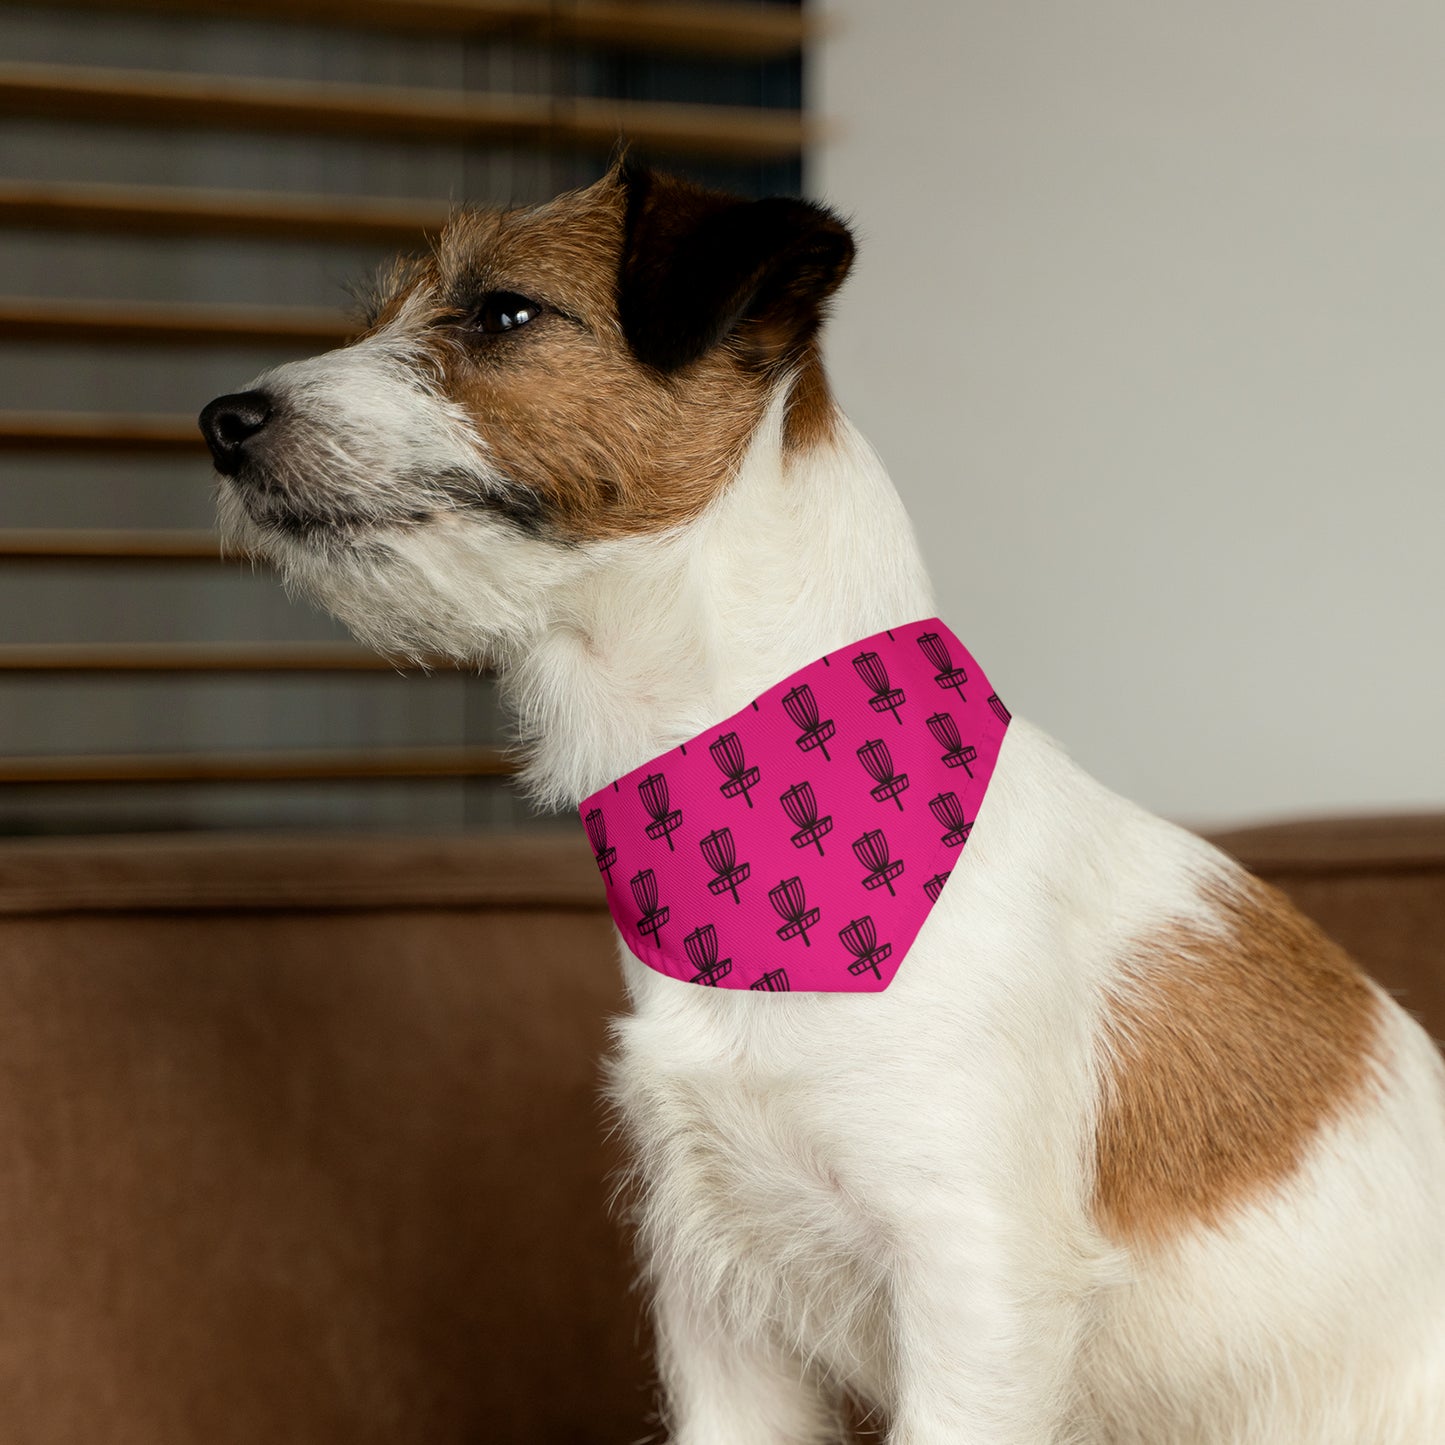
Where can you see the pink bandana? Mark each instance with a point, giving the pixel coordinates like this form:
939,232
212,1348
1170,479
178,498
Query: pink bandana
800,844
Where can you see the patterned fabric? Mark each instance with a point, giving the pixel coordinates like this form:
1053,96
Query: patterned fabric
799,845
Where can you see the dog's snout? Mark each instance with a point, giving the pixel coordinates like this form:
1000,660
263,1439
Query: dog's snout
229,422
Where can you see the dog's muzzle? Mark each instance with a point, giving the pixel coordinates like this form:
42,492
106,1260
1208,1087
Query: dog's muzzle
230,422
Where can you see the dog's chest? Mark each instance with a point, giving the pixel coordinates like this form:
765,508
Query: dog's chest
746,1183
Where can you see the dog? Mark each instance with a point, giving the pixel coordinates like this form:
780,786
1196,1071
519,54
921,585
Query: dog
1127,1153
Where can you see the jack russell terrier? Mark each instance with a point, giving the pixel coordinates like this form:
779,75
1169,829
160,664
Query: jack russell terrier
957,1086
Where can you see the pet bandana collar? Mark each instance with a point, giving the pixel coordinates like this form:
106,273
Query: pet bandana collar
799,845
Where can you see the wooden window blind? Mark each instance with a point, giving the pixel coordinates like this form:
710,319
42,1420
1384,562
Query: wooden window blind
185,188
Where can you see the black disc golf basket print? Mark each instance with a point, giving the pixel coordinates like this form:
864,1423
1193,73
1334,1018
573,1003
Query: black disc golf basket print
644,893
790,903
727,753
949,812
802,707
872,852
701,946
886,697
596,824
775,981
666,820
802,808
860,938
877,761
934,886
935,649
956,753
999,710
721,854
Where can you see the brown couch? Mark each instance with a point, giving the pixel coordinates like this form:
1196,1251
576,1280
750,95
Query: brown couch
301,1140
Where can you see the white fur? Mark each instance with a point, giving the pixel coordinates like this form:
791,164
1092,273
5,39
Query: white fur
890,1193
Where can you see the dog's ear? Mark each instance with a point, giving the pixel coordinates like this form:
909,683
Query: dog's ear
699,266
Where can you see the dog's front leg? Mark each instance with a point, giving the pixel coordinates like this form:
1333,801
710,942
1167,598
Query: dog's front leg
985,1348
722,1388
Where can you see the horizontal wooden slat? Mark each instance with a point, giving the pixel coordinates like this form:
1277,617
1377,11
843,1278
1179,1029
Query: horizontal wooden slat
714,29
130,657
171,323
75,544
755,31
174,210
259,767
219,102
83,431
161,872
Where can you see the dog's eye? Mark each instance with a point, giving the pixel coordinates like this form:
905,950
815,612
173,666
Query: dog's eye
504,311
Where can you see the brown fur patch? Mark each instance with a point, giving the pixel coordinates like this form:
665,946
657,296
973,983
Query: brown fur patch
1226,1054
599,444
812,413
608,446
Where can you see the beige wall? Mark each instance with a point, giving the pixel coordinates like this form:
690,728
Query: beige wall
1149,323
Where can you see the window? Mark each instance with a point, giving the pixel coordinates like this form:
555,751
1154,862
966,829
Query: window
184,196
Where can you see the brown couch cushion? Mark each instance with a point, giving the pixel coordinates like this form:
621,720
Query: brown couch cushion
301,1138
302,1143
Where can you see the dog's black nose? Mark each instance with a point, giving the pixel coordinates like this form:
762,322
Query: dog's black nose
229,422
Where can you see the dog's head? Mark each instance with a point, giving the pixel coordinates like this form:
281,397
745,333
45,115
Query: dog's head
547,382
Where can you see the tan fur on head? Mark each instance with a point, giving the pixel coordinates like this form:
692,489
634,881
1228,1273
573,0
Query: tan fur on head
1226,1053
606,444
609,446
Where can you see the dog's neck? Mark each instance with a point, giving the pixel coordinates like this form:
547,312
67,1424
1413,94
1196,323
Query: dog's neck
803,553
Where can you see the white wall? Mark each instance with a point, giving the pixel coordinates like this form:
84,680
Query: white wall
1149,324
